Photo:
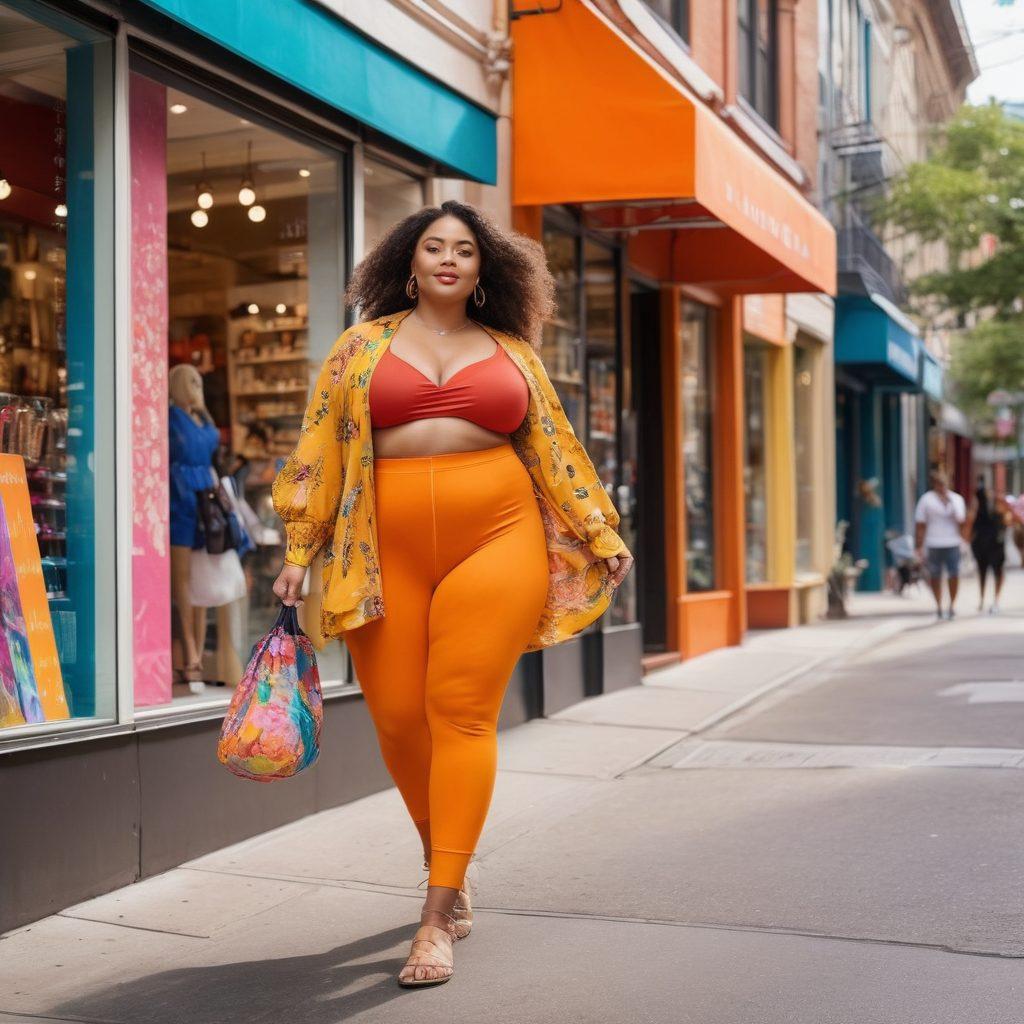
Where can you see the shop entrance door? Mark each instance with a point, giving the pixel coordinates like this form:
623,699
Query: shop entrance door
649,513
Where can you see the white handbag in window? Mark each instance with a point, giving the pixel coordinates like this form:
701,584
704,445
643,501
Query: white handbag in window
215,580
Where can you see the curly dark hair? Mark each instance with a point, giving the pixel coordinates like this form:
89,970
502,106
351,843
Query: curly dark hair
513,273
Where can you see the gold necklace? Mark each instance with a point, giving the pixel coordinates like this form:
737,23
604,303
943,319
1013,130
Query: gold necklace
451,330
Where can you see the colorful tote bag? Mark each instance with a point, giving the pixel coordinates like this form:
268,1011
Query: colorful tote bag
272,728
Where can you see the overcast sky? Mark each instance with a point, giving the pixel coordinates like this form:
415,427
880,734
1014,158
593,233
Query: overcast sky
997,31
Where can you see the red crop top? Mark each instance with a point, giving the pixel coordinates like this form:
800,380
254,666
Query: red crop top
491,393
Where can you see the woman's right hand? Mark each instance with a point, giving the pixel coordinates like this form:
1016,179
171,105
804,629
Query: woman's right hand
288,585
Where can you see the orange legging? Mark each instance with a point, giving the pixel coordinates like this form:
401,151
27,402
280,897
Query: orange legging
464,575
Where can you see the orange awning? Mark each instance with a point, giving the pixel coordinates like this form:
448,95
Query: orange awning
597,122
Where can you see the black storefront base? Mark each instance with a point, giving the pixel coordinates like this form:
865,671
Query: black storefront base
83,818
564,673
615,654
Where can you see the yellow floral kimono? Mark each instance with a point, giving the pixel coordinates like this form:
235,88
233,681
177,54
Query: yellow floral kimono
325,492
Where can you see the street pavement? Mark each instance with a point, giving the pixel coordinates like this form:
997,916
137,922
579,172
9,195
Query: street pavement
823,826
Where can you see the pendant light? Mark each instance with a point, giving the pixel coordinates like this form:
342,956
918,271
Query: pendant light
257,213
247,193
200,218
204,196
5,186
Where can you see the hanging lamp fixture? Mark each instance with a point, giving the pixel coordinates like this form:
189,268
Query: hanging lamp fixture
247,193
204,194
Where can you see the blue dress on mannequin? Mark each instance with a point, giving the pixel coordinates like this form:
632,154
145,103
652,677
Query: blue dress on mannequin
192,449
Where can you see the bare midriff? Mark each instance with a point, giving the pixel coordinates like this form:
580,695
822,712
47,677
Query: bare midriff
437,435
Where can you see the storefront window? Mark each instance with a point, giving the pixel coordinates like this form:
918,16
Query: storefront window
586,334
601,304
57,602
389,195
696,443
599,288
804,447
238,228
755,470
562,348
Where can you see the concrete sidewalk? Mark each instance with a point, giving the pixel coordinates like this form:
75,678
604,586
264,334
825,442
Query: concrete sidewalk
580,915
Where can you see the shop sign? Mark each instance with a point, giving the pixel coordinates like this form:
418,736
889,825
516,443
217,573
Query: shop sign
764,317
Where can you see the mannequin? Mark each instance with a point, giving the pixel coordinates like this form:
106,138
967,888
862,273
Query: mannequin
193,445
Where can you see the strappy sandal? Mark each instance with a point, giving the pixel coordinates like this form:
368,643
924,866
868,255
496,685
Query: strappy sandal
462,911
425,956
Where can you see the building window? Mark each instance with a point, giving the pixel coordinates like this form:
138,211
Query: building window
57,514
675,14
696,383
758,60
755,463
239,226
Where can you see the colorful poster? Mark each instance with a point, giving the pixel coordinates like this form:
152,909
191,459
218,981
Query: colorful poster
10,704
25,622
15,662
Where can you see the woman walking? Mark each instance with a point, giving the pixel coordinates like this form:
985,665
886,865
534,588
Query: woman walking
462,521
989,520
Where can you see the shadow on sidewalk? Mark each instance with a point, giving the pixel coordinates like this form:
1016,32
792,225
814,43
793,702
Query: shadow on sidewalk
322,988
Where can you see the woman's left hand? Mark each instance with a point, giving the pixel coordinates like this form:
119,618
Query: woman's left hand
618,566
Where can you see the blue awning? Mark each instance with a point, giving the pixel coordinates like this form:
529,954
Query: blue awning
309,47
931,375
877,340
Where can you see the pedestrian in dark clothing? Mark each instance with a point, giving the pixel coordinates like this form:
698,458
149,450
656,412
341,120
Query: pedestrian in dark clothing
989,518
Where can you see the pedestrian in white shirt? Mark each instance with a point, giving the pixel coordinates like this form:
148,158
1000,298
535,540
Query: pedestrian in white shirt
939,520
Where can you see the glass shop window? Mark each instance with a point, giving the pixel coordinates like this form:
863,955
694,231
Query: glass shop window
57,599
237,245
696,383
755,463
805,374
562,346
389,195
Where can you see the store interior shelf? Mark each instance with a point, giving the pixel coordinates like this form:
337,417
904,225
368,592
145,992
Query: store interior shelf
291,357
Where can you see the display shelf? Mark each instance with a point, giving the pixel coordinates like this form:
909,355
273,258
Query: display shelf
264,392
294,357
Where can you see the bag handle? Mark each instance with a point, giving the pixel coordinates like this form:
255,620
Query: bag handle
288,620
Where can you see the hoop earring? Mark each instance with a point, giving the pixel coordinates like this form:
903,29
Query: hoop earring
412,287
482,299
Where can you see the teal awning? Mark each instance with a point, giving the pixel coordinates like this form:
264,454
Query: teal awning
931,375
309,47
877,341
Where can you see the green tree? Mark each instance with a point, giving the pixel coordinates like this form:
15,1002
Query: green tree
970,187
988,358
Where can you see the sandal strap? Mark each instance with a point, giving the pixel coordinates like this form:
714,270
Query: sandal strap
418,955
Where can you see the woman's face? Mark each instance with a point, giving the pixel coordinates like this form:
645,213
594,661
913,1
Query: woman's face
446,261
